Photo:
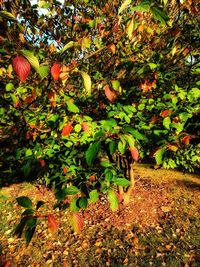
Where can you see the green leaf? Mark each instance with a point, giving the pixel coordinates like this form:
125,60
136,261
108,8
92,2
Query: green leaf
43,71
122,145
152,66
159,155
9,86
122,182
82,202
113,200
32,59
167,122
20,227
135,133
130,140
77,128
24,202
105,164
61,193
39,204
109,124
93,196
31,222
159,15
29,232
72,107
67,46
112,147
7,15
92,152
108,175
116,85
71,190
73,205
87,82
124,5
28,212
29,152
144,6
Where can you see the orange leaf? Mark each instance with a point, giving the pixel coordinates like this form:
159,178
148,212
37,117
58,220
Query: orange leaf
112,48
53,224
111,95
65,170
55,71
134,153
119,196
67,129
77,222
146,86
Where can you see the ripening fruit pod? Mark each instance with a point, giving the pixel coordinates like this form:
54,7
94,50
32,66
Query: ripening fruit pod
53,224
67,129
111,95
134,153
22,68
55,71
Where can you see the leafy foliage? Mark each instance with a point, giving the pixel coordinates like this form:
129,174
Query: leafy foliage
101,84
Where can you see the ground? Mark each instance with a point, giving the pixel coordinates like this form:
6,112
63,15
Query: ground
159,227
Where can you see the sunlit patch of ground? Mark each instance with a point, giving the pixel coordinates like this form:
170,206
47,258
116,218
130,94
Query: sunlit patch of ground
159,227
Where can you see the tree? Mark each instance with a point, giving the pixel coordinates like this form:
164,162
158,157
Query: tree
89,87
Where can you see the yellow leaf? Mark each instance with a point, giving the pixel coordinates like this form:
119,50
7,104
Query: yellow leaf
21,38
52,48
86,42
87,82
129,29
124,5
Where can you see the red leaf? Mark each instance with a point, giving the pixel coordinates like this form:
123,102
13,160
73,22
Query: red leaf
77,222
22,68
165,113
85,127
29,99
67,129
186,140
111,95
154,119
134,153
55,71
53,224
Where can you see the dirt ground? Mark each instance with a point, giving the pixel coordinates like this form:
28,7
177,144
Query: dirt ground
159,227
